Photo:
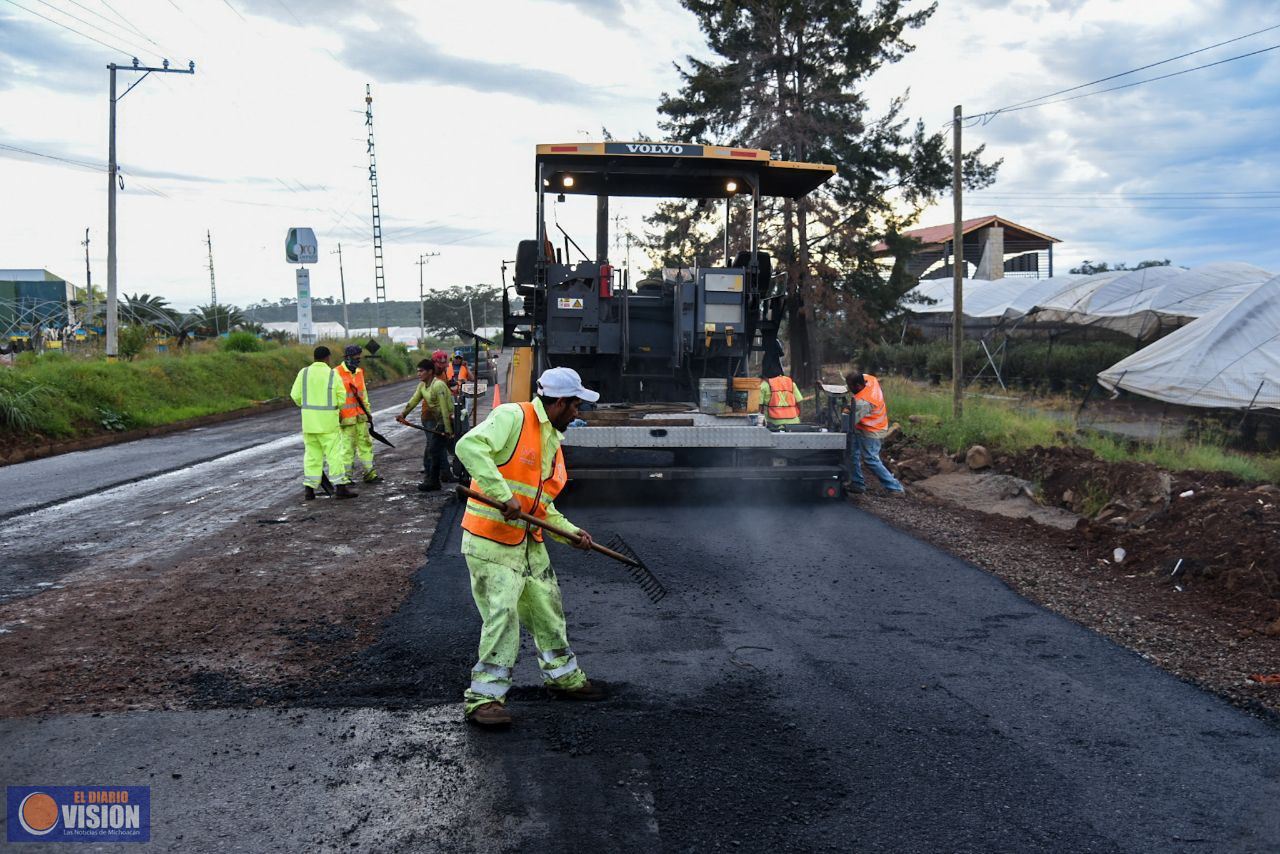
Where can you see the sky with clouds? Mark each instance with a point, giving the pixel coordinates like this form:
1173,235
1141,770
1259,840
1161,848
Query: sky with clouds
269,132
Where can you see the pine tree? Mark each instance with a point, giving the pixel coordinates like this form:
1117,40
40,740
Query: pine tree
788,77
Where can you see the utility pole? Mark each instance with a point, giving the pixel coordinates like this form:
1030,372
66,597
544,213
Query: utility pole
422,306
622,237
379,276
113,318
957,280
88,279
342,280
213,288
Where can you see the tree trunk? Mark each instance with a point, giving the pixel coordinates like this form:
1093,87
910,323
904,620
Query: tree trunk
803,367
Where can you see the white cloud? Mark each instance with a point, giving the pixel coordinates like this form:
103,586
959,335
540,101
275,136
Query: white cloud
269,133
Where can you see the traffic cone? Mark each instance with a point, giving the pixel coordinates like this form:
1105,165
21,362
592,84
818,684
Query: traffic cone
497,399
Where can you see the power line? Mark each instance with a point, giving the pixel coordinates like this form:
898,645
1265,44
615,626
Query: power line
128,26
137,48
988,116
116,48
84,164
133,26
1133,70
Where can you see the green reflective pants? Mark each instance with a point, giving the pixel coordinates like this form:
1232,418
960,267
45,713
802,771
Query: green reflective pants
357,443
318,449
508,599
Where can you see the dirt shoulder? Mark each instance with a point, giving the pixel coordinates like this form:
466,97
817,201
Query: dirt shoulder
281,597
1195,589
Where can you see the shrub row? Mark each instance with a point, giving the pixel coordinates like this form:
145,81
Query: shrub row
1028,364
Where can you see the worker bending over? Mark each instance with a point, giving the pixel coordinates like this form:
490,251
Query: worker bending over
514,457
779,398
870,422
437,421
357,443
317,391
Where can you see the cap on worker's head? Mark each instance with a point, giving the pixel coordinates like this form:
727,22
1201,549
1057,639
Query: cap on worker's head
351,350
565,382
440,354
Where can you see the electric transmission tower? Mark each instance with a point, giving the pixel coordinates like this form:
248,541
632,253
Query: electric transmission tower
379,277
213,288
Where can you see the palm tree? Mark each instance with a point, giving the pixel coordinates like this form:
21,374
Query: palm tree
150,311
215,318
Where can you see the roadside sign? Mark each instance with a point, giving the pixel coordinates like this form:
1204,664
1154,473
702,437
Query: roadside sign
306,329
300,246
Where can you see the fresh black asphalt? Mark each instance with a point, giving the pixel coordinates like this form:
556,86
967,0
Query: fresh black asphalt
815,681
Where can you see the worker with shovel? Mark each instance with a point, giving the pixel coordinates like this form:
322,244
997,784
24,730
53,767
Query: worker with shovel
437,423
318,393
514,458
356,441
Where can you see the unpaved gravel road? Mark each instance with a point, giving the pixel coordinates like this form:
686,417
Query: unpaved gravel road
815,681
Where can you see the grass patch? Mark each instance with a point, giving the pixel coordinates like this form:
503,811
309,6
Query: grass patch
1000,425
1185,456
992,423
84,397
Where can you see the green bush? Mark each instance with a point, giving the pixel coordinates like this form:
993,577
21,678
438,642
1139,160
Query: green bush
132,340
242,341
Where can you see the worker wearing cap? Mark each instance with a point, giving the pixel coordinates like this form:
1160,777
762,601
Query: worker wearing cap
318,393
870,420
514,457
356,441
437,421
779,398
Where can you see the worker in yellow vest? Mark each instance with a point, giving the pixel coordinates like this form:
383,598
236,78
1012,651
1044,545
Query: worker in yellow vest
514,457
869,421
779,398
318,393
356,441
437,422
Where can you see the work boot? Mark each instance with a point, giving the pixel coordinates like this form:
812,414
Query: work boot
854,489
308,494
490,714
429,486
345,491
586,692
372,477
326,484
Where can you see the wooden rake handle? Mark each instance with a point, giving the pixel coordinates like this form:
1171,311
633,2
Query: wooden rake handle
464,493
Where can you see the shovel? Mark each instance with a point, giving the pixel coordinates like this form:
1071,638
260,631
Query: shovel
374,433
648,582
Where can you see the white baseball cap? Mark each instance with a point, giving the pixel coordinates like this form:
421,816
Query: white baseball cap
565,382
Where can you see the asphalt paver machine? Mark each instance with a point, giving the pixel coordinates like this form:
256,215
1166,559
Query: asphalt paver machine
660,349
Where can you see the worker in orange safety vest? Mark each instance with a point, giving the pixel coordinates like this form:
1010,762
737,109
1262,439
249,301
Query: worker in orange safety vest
869,423
356,441
514,457
779,398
